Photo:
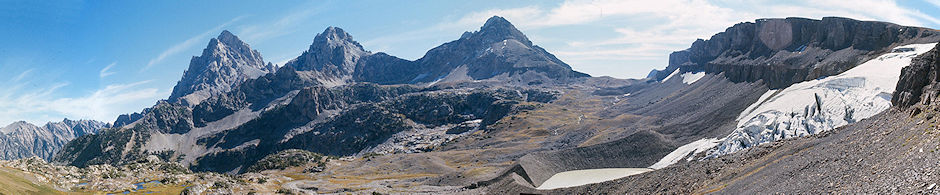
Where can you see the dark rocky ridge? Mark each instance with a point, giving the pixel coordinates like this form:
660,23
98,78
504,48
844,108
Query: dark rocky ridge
372,113
790,50
919,81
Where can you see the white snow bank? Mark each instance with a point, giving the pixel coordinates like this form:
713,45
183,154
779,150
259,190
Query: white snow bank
588,176
674,72
688,150
811,107
689,77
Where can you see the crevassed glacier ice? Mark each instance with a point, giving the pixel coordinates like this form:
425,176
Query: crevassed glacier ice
811,107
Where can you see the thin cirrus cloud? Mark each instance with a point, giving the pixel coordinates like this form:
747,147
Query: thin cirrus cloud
188,43
106,71
935,3
39,106
283,25
22,75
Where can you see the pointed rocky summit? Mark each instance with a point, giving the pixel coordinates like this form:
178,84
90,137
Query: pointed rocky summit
226,62
333,55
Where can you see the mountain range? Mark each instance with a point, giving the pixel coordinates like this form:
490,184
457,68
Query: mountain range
789,99
335,93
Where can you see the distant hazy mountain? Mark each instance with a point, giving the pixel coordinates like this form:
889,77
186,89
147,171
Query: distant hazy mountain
22,139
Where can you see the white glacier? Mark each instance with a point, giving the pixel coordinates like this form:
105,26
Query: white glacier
823,104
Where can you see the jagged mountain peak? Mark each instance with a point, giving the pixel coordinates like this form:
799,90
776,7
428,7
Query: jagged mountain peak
498,29
333,54
225,62
228,37
333,33
15,126
335,37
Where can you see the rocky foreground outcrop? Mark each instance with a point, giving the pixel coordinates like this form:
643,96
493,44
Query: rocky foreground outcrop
919,81
785,51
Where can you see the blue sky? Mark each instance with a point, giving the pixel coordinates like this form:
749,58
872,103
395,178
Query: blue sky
96,60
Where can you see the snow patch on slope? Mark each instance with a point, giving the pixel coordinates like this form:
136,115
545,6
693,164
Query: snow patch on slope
689,77
674,72
588,176
811,107
688,150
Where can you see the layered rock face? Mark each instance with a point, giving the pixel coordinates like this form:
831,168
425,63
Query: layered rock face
226,62
22,139
785,51
919,81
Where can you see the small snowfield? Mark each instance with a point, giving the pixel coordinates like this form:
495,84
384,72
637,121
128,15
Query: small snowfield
588,176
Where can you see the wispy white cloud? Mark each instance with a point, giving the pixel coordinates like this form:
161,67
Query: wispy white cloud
106,70
935,3
284,25
188,43
22,75
105,104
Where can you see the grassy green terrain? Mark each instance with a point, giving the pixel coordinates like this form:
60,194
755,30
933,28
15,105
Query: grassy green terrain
15,182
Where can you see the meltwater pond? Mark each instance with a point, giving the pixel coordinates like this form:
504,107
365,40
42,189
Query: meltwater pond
588,176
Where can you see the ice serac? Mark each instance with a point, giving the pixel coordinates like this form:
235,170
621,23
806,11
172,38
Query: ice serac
332,57
226,62
824,104
22,139
785,51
